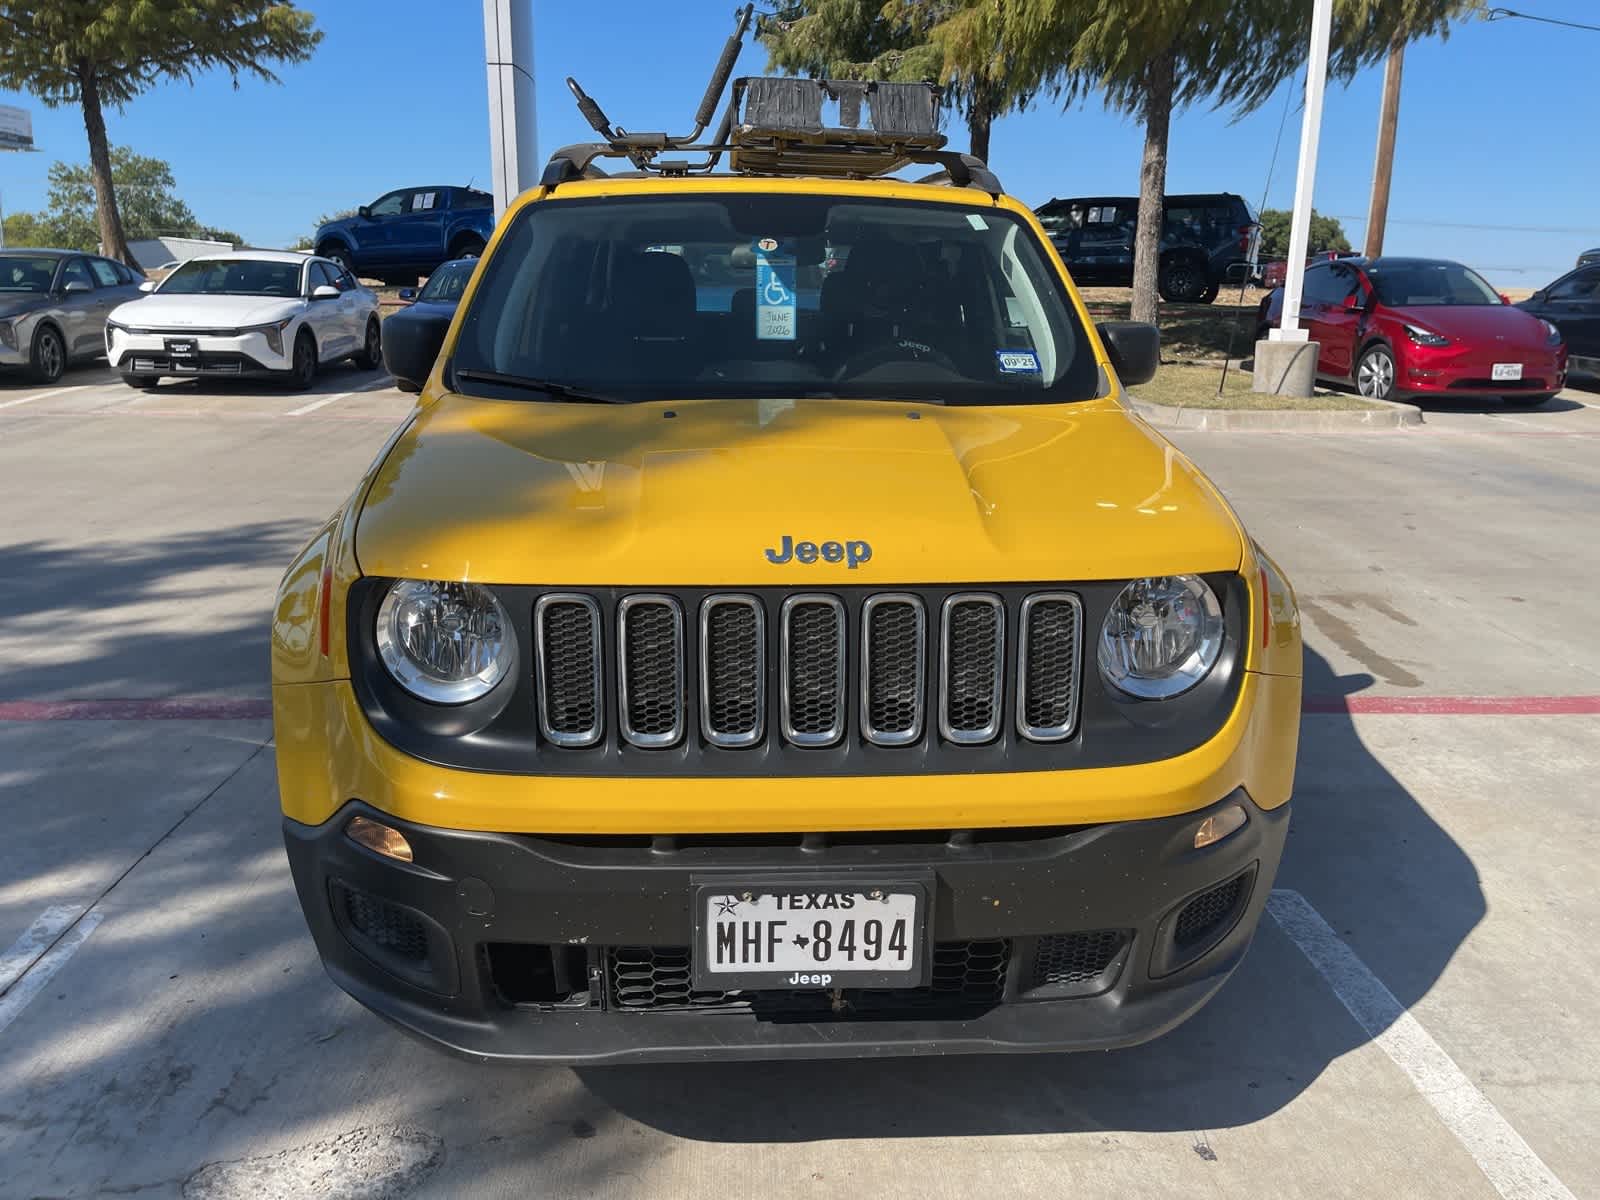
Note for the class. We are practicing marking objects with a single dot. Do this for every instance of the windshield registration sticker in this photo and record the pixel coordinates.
(1017, 362)
(775, 297)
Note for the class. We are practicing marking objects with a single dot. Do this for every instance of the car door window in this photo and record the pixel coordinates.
(1107, 226)
(424, 201)
(391, 205)
(124, 274)
(1318, 287)
(321, 276)
(104, 273)
(76, 271)
(1580, 285)
(1342, 284)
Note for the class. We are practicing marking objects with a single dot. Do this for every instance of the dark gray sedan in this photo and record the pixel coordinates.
(53, 307)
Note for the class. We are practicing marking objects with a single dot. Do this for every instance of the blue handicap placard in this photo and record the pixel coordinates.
(775, 295)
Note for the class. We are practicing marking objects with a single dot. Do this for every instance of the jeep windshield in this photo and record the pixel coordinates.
(772, 297)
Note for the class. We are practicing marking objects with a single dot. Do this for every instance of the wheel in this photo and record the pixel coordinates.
(468, 247)
(304, 371)
(1375, 373)
(1182, 281)
(339, 256)
(49, 360)
(370, 357)
(145, 383)
(1526, 401)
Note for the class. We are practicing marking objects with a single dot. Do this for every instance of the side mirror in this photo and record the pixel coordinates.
(149, 285)
(411, 343)
(364, 212)
(1504, 299)
(406, 294)
(76, 285)
(325, 291)
(1134, 348)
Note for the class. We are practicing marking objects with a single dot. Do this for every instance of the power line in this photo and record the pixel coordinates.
(1587, 231)
(1495, 14)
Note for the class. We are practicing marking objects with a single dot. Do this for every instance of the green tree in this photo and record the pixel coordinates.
(1149, 58)
(308, 241)
(95, 53)
(1326, 233)
(27, 229)
(892, 40)
(147, 201)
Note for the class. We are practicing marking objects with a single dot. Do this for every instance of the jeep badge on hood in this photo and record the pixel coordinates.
(789, 550)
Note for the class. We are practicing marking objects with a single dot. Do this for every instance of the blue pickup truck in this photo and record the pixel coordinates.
(409, 232)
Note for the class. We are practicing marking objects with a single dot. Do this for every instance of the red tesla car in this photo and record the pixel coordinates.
(1417, 327)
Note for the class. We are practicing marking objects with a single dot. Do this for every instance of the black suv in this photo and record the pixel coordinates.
(1206, 240)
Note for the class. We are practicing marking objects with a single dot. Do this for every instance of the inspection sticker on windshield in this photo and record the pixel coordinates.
(775, 298)
(1017, 362)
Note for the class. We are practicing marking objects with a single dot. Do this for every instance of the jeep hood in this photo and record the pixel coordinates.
(505, 491)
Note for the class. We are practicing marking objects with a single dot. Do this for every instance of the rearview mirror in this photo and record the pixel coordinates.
(1134, 348)
(77, 285)
(364, 212)
(325, 291)
(149, 285)
(411, 342)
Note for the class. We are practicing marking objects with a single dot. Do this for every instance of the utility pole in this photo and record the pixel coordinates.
(508, 55)
(1383, 168)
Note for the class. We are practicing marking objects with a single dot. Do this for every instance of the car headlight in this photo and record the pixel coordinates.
(273, 333)
(447, 643)
(1552, 334)
(1162, 636)
(1426, 337)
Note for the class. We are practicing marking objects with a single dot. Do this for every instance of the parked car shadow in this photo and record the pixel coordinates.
(331, 378)
(1362, 850)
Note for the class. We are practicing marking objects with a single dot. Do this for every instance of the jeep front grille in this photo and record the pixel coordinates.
(806, 671)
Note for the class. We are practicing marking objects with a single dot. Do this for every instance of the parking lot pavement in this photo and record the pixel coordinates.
(1417, 1020)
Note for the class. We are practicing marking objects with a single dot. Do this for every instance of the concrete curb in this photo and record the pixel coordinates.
(1393, 415)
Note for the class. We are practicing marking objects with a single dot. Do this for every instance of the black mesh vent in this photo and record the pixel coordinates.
(815, 670)
(968, 978)
(386, 925)
(1075, 960)
(1204, 916)
(894, 674)
(1050, 670)
(652, 656)
(972, 674)
(733, 670)
(570, 686)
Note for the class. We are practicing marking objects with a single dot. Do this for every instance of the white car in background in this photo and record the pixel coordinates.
(249, 314)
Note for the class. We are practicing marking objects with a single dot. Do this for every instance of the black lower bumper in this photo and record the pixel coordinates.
(135, 364)
(573, 950)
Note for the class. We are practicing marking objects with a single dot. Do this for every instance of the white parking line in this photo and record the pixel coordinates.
(1508, 1162)
(78, 387)
(324, 401)
(24, 970)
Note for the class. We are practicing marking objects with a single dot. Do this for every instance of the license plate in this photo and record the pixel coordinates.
(1506, 371)
(805, 935)
(182, 349)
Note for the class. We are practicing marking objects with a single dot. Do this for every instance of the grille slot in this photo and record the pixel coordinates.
(973, 668)
(1206, 914)
(733, 670)
(387, 926)
(1077, 963)
(893, 650)
(813, 670)
(567, 638)
(1049, 652)
(650, 683)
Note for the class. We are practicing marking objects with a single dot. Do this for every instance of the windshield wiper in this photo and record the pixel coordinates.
(526, 383)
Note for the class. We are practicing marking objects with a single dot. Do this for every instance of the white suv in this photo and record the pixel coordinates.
(262, 314)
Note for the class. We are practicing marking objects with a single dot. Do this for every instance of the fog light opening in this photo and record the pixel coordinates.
(379, 838)
(1214, 828)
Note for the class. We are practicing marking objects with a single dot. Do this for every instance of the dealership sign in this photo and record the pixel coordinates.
(16, 128)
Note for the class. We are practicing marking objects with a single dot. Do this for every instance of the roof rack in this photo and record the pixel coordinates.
(775, 126)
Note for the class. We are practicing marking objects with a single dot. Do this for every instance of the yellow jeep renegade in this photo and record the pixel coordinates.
(771, 633)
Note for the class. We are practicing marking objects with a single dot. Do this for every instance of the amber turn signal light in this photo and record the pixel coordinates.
(378, 838)
(1214, 828)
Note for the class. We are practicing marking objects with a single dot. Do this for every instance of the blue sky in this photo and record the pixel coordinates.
(1492, 166)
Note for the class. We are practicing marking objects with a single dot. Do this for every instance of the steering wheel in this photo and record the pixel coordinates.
(896, 350)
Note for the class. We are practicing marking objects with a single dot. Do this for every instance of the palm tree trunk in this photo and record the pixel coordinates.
(112, 241)
(1152, 185)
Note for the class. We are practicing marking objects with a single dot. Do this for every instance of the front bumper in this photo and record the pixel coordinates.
(519, 947)
(1454, 371)
(240, 355)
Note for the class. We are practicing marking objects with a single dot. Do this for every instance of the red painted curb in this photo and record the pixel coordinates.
(179, 709)
(1455, 706)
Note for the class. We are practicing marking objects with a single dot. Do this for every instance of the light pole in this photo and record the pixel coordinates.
(1286, 363)
(513, 130)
